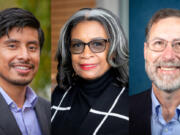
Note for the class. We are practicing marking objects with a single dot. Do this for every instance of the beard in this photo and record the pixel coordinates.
(16, 82)
(165, 82)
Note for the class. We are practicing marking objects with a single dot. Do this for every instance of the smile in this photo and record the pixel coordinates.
(23, 69)
(88, 66)
(169, 70)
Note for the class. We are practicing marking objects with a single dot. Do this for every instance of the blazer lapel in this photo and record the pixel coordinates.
(42, 118)
(148, 113)
(7, 121)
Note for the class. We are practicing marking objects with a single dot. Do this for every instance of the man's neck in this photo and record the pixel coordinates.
(168, 101)
(15, 92)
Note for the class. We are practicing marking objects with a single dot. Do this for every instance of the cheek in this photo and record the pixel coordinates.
(103, 61)
(36, 60)
(151, 56)
(74, 61)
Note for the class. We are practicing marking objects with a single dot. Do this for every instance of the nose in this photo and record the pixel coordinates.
(23, 54)
(168, 54)
(87, 52)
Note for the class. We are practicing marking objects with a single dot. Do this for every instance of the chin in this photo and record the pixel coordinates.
(20, 82)
(88, 77)
(167, 84)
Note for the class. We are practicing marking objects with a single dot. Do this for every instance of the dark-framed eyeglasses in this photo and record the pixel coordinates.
(159, 45)
(96, 46)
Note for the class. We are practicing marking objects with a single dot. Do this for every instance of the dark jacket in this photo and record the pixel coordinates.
(115, 124)
(140, 113)
(8, 125)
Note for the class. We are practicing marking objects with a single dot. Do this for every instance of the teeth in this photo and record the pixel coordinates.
(22, 68)
(168, 68)
(89, 66)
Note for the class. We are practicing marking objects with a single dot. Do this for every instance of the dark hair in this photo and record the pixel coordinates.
(161, 14)
(117, 55)
(16, 17)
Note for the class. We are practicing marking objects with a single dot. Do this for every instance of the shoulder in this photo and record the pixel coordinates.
(45, 104)
(122, 105)
(140, 113)
(43, 101)
(140, 106)
(124, 97)
(140, 97)
(58, 94)
(122, 91)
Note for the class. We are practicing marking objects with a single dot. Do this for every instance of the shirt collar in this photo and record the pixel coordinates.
(178, 111)
(31, 97)
(8, 100)
(156, 106)
(30, 101)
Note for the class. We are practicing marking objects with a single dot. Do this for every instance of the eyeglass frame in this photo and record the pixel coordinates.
(165, 44)
(89, 43)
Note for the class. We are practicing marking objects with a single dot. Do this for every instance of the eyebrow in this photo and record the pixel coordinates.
(33, 42)
(11, 41)
(158, 38)
(78, 40)
(17, 41)
(176, 39)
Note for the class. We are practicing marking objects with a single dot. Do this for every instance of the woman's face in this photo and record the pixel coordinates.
(87, 64)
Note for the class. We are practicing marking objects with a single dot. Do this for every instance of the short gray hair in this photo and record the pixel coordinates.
(118, 54)
(161, 14)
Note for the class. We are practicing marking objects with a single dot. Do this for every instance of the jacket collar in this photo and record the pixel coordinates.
(7, 121)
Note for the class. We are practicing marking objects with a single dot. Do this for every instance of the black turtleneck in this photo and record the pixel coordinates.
(87, 93)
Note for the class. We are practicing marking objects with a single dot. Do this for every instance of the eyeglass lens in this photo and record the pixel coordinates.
(160, 45)
(96, 46)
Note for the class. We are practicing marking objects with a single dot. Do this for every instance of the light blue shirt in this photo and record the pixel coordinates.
(158, 125)
(26, 116)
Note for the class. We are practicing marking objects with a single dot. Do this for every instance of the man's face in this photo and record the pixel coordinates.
(19, 56)
(163, 68)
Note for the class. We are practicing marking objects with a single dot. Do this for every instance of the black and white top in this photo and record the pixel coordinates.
(96, 107)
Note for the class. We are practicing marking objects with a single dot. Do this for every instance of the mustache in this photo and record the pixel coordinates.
(13, 64)
(167, 64)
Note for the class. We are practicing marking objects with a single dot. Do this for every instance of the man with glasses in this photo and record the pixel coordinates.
(157, 110)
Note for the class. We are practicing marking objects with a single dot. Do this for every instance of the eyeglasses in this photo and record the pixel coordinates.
(96, 46)
(159, 45)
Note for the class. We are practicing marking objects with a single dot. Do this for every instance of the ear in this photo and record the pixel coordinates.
(145, 50)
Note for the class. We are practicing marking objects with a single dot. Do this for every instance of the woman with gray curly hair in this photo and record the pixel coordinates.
(91, 96)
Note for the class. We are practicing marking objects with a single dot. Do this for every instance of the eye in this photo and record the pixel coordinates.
(32, 48)
(76, 45)
(177, 43)
(97, 43)
(12, 46)
(158, 42)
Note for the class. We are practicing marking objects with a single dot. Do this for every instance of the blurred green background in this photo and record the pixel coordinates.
(41, 9)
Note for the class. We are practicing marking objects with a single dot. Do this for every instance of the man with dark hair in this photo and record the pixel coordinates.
(157, 110)
(22, 112)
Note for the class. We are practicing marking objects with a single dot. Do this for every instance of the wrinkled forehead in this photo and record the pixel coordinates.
(167, 28)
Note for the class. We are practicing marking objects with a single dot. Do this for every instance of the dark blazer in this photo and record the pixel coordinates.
(140, 113)
(8, 125)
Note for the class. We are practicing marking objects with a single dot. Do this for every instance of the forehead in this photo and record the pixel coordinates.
(88, 29)
(21, 34)
(23, 30)
(167, 28)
